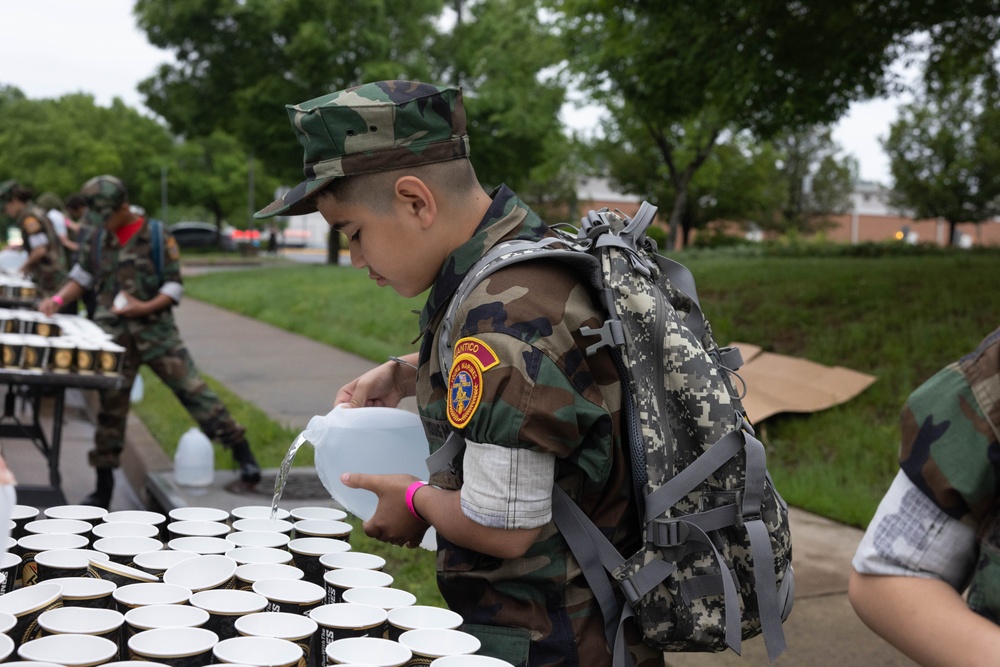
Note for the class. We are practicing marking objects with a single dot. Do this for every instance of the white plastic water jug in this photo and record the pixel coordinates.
(381, 441)
(135, 396)
(194, 460)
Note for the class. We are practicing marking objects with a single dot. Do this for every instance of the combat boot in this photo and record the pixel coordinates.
(249, 469)
(101, 497)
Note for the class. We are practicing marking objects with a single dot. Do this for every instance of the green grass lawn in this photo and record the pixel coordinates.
(897, 318)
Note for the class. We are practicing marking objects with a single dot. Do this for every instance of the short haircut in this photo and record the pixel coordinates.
(21, 193)
(454, 178)
(76, 201)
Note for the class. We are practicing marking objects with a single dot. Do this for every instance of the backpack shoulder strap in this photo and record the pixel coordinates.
(156, 231)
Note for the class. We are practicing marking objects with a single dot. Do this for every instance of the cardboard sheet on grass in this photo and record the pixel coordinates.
(779, 383)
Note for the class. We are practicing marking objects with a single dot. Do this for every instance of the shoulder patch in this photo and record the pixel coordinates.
(31, 225)
(173, 250)
(465, 381)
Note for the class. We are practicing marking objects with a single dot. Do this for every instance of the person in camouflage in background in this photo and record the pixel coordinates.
(936, 531)
(387, 164)
(46, 263)
(117, 261)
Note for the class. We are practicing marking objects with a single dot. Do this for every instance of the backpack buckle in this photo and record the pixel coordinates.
(669, 532)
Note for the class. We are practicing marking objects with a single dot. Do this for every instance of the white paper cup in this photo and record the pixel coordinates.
(336, 582)
(176, 647)
(293, 596)
(21, 515)
(198, 514)
(31, 544)
(86, 592)
(338, 530)
(158, 562)
(202, 573)
(357, 560)
(69, 650)
(367, 651)
(156, 616)
(432, 643)
(273, 525)
(140, 516)
(224, 606)
(421, 617)
(121, 575)
(258, 512)
(106, 623)
(26, 605)
(262, 651)
(7, 622)
(125, 529)
(307, 551)
(249, 573)
(6, 647)
(340, 621)
(244, 555)
(142, 595)
(197, 529)
(203, 546)
(259, 538)
(327, 513)
(10, 567)
(89, 513)
(58, 563)
(296, 628)
(387, 598)
(63, 526)
(469, 661)
(123, 550)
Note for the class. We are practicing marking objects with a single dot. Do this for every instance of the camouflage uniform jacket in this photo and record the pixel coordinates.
(111, 267)
(950, 451)
(535, 389)
(37, 230)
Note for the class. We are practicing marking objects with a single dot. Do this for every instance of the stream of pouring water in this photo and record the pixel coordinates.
(282, 477)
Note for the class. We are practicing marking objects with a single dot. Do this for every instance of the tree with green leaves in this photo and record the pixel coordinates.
(944, 150)
(238, 62)
(690, 71)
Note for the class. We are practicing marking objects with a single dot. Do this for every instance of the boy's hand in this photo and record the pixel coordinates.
(383, 386)
(392, 521)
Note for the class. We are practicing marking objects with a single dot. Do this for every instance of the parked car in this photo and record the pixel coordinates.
(202, 235)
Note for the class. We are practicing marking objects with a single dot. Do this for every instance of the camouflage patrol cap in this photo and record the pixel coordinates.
(370, 128)
(7, 189)
(104, 195)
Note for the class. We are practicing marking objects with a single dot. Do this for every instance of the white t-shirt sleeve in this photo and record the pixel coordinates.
(911, 536)
(58, 221)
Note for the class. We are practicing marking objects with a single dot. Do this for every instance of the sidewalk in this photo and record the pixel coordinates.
(293, 378)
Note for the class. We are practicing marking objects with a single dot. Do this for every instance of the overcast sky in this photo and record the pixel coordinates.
(65, 46)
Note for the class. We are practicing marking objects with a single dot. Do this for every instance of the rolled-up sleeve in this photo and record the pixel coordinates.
(507, 487)
(911, 536)
(80, 275)
(173, 289)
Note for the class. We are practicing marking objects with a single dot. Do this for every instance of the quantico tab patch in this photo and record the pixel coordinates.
(465, 381)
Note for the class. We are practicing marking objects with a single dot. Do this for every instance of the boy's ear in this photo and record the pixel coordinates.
(418, 199)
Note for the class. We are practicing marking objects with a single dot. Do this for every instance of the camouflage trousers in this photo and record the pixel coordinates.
(169, 359)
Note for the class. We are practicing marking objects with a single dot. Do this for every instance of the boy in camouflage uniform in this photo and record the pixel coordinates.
(387, 164)
(46, 263)
(936, 533)
(117, 258)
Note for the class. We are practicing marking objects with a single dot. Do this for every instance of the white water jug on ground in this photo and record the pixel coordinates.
(194, 460)
(380, 441)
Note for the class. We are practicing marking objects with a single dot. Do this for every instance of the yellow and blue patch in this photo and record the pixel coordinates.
(472, 357)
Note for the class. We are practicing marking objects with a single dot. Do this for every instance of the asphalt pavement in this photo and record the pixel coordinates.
(292, 378)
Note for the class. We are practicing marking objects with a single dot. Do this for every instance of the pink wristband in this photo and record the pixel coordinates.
(410, 490)
(58, 300)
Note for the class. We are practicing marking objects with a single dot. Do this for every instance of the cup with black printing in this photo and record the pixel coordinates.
(338, 581)
(259, 538)
(35, 353)
(296, 628)
(307, 552)
(202, 572)
(386, 597)
(367, 650)
(225, 606)
(338, 530)
(357, 560)
(293, 596)
(31, 544)
(124, 549)
(68, 650)
(26, 605)
(340, 621)
(9, 565)
(21, 515)
(175, 647)
(58, 563)
(145, 594)
(249, 573)
(158, 562)
(89, 513)
(269, 651)
(151, 617)
(431, 643)
(106, 623)
(86, 592)
(420, 617)
(244, 555)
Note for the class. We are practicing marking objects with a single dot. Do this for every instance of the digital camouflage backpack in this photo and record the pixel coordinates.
(716, 565)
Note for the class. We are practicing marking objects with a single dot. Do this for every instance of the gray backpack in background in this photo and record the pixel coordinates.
(716, 564)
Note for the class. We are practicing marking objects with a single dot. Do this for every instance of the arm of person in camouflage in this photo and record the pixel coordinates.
(171, 289)
(383, 386)
(920, 549)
